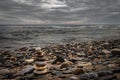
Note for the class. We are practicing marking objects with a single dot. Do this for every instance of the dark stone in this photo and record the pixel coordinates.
(78, 71)
(23, 49)
(89, 76)
(59, 59)
(73, 60)
(104, 73)
(116, 70)
(57, 73)
(9, 76)
(28, 69)
(4, 71)
(115, 52)
(109, 77)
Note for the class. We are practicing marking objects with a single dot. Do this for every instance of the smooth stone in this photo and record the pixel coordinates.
(115, 51)
(74, 78)
(28, 69)
(106, 62)
(109, 77)
(68, 72)
(38, 48)
(84, 64)
(80, 54)
(78, 71)
(111, 66)
(57, 73)
(66, 64)
(23, 49)
(105, 51)
(116, 70)
(37, 72)
(40, 64)
(59, 59)
(104, 73)
(89, 76)
(4, 71)
(62, 76)
(94, 63)
(29, 60)
(40, 67)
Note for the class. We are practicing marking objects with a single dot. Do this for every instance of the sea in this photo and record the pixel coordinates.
(14, 36)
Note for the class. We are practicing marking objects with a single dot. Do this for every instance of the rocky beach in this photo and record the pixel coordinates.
(91, 60)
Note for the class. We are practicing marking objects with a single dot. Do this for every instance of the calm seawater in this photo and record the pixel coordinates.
(21, 36)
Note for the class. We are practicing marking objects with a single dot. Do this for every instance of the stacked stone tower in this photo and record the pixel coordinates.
(40, 64)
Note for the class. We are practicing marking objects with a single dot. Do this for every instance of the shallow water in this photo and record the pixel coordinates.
(19, 36)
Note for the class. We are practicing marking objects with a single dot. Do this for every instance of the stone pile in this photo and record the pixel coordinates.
(40, 64)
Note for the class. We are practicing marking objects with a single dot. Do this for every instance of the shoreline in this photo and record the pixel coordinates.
(72, 61)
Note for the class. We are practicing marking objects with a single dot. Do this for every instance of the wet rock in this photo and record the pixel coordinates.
(104, 73)
(105, 51)
(89, 76)
(105, 45)
(66, 64)
(74, 78)
(115, 52)
(38, 48)
(59, 59)
(62, 76)
(94, 63)
(29, 60)
(40, 68)
(116, 70)
(111, 66)
(106, 62)
(81, 54)
(32, 50)
(57, 73)
(73, 60)
(109, 77)
(27, 69)
(4, 71)
(23, 49)
(68, 72)
(84, 64)
(78, 71)
(37, 72)
(9, 76)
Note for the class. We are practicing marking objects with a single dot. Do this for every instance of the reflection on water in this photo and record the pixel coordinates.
(43, 35)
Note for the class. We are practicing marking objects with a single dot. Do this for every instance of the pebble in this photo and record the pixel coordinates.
(66, 64)
(29, 60)
(109, 77)
(78, 71)
(27, 69)
(74, 78)
(85, 64)
(115, 51)
(111, 66)
(89, 76)
(4, 71)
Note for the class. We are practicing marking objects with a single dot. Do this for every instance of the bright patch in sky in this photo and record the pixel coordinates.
(53, 4)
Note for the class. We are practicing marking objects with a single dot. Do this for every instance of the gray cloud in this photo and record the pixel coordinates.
(59, 11)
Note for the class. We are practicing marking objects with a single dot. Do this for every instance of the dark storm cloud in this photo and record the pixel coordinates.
(59, 11)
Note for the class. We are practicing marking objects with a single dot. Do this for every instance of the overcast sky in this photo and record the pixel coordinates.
(59, 11)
